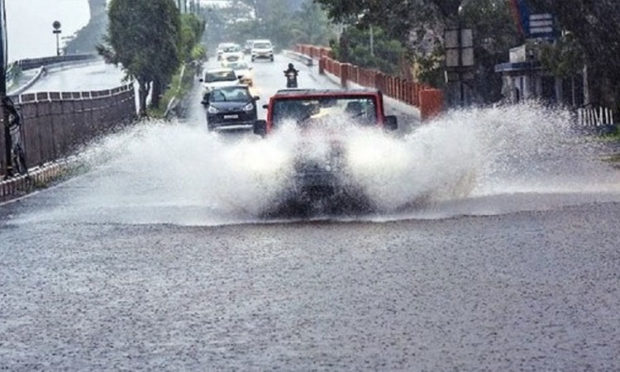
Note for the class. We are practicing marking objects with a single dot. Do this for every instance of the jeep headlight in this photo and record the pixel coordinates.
(249, 107)
(212, 110)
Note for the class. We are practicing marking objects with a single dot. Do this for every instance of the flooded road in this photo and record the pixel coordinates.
(495, 247)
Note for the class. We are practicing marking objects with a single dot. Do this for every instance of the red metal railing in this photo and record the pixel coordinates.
(406, 91)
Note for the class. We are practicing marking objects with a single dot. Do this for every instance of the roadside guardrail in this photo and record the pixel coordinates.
(307, 60)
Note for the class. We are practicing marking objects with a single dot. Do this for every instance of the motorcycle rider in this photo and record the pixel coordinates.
(291, 76)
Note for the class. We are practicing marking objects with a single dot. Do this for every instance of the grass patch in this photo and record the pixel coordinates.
(614, 158)
(611, 137)
(179, 86)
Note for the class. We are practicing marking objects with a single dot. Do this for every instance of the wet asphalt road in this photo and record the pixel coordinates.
(532, 285)
(96, 75)
(522, 291)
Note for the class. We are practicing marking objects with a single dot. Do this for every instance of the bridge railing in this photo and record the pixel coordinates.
(30, 63)
(55, 124)
(427, 99)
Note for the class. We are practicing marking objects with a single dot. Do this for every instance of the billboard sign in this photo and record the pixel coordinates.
(541, 26)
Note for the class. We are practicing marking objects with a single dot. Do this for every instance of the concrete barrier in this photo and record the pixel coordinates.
(56, 124)
(308, 61)
(37, 178)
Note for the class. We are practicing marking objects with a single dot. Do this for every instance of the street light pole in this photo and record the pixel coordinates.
(372, 41)
(57, 31)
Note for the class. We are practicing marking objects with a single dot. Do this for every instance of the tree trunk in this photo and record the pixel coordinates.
(156, 96)
(143, 92)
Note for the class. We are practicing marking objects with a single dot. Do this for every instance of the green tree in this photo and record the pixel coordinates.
(593, 26)
(310, 25)
(144, 38)
(192, 28)
(354, 47)
(419, 26)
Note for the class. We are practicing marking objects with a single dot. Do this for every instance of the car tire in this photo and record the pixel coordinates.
(271, 59)
(253, 59)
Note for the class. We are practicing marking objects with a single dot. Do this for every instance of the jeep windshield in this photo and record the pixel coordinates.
(302, 110)
(262, 45)
(215, 76)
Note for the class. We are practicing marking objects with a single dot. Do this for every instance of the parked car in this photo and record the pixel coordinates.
(227, 48)
(220, 77)
(243, 71)
(262, 49)
(230, 108)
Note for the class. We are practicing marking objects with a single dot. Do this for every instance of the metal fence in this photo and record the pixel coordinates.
(422, 96)
(55, 124)
(595, 116)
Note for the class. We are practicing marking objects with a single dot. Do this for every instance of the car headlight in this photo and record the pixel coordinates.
(249, 107)
(212, 110)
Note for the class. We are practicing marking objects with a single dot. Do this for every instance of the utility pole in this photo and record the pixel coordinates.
(8, 170)
(372, 41)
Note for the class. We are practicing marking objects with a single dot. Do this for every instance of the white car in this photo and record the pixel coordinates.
(231, 57)
(227, 48)
(242, 70)
(218, 78)
(262, 49)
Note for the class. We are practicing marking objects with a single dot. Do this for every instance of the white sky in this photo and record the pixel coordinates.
(30, 25)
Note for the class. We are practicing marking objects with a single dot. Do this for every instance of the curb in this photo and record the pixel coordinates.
(22, 185)
(29, 84)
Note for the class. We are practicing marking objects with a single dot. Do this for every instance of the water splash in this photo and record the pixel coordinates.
(166, 173)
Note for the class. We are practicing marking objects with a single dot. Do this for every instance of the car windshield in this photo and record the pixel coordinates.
(303, 110)
(262, 45)
(230, 94)
(238, 65)
(232, 58)
(214, 76)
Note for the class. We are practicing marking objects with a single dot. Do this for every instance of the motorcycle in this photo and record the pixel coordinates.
(291, 79)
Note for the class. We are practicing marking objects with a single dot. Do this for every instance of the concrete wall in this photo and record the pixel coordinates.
(55, 124)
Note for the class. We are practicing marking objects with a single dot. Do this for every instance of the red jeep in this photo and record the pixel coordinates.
(324, 176)
(364, 107)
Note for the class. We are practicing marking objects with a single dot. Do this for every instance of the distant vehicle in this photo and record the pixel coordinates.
(217, 78)
(227, 48)
(323, 177)
(262, 49)
(230, 108)
(247, 48)
(242, 70)
(229, 57)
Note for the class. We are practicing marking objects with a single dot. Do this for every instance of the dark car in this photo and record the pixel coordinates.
(230, 108)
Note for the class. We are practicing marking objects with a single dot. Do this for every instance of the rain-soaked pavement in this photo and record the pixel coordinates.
(83, 77)
(146, 262)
